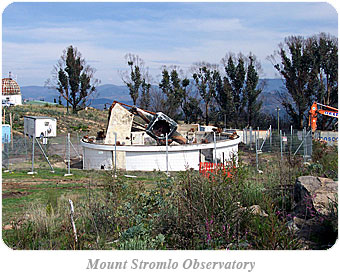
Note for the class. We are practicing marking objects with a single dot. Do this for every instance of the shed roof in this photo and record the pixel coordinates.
(39, 117)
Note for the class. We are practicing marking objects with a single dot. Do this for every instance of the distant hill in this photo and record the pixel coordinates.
(38, 93)
(270, 96)
(107, 93)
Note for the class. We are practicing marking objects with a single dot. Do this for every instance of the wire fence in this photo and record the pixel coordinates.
(60, 152)
(64, 152)
(282, 142)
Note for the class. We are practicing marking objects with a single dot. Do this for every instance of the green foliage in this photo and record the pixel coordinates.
(252, 93)
(73, 79)
(325, 160)
(206, 77)
(80, 127)
(236, 78)
(136, 78)
(238, 92)
(185, 211)
(324, 81)
(310, 69)
(296, 69)
(175, 90)
(192, 110)
(271, 233)
(145, 100)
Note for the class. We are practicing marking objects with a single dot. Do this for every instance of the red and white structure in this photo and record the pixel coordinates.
(11, 94)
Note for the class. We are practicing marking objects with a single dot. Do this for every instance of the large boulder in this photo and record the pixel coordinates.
(314, 195)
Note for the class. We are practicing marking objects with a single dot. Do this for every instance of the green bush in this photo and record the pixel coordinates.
(186, 211)
(325, 160)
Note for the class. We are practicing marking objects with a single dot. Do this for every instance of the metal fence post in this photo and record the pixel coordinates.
(166, 154)
(311, 145)
(304, 145)
(291, 139)
(250, 137)
(257, 158)
(33, 141)
(215, 153)
(281, 143)
(270, 138)
(25, 144)
(68, 156)
(32, 170)
(6, 152)
(78, 140)
(258, 137)
(115, 173)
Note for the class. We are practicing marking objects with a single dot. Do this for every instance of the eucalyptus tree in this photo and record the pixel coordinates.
(224, 98)
(133, 78)
(187, 102)
(193, 111)
(324, 55)
(206, 76)
(252, 91)
(296, 69)
(73, 79)
(175, 89)
(309, 68)
(145, 99)
(236, 74)
(238, 91)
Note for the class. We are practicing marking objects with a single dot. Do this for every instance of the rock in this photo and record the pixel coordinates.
(313, 195)
(256, 210)
(315, 232)
(59, 165)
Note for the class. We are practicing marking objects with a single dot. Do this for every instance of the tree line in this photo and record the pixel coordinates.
(225, 94)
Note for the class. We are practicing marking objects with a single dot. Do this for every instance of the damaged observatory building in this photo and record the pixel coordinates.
(140, 140)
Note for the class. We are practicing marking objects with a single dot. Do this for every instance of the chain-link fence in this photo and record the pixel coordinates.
(61, 152)
(283, 142)
(18, 154)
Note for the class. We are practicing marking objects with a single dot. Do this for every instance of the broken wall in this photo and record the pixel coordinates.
(120, 122)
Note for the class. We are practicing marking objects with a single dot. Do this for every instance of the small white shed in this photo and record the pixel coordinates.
(40, 126)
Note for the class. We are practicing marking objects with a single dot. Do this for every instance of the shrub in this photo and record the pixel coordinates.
(325, 160)
(186, 211)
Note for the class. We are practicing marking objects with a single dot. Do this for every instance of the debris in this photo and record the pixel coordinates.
(100, 135)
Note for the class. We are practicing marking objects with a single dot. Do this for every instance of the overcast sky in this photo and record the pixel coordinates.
(35, 34)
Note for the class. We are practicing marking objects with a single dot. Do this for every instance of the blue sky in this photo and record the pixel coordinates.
(35, 34)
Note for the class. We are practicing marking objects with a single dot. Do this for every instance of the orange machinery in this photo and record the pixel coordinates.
(314, 111)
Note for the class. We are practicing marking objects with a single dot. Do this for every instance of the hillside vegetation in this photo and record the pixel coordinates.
(90, 120)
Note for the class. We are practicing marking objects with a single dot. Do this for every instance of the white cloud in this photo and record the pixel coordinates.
(33, 50)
